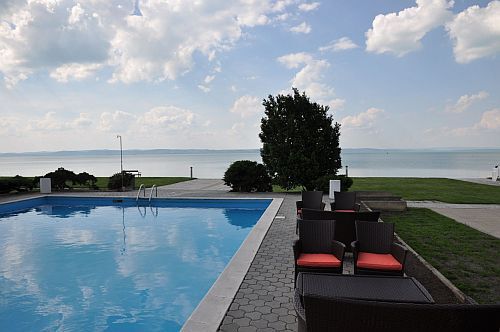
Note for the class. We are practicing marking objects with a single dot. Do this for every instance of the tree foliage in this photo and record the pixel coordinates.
(300, 141)
(247, 176)
(115, 181)
(62, 178)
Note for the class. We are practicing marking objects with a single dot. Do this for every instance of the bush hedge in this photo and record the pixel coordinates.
(16, 183)
(115, 181)
(247, 176)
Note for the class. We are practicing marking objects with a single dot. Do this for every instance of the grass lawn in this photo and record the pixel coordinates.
(435, 189)
(102, 182)
(468, 258)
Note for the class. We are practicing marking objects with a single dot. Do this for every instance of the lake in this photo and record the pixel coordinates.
(463, 163)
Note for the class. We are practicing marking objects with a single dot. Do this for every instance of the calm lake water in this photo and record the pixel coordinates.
(473, 163)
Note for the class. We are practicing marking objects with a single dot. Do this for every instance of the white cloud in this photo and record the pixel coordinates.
(309, 78)
(341, 44)
(294, 60)
(307, 7)
(301, 28)
(116, 122)
(76, 13)
(402, 32)
(75, 71)
(209, 78)
(476, 32)
(51, 122)
(465, 101)
(490, 120)
(166, 117)
(57, 36)
(203, 88)
(362, 120)
(336, 104)
(247, 106)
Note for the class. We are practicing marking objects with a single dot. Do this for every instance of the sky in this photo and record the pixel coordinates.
(179, 74)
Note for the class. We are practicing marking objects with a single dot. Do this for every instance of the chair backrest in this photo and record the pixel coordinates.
(310, 214)
(345, 200)
(345, 230)
(338, 314)
(312, 199)
(368, 216)
(375, 237)
(316, 235)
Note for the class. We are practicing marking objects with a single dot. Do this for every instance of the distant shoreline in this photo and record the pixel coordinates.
(225, 151)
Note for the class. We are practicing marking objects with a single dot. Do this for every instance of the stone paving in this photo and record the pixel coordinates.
(264, 301)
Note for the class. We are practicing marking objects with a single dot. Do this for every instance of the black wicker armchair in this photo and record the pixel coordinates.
(375, 251)
(345, 201)
(345, 231)
(316, 250)
(368, 216)
(310, 200)
(320, 314)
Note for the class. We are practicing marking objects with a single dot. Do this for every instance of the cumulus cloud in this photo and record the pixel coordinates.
(117, 121)
(310, 77)
(341, 44)
(301, 28)
(402, 32)
(52, 122)
(465, 101)
(476, 32)
(136, 42)
(362, 120)
(336, 104)
(307, 7)
(166, 117)
(247, 106)
(74, 71)
(490, 120)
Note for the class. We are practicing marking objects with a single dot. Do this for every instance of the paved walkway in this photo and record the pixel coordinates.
(483, 217)
(482, 181)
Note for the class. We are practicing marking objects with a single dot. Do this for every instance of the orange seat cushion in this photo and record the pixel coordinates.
(367, 260)
(318, 260)
(345, 211)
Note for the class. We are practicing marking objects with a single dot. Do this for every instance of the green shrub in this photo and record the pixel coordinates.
(115, 181)
(247, 176)
(17, 183)
(323, 183)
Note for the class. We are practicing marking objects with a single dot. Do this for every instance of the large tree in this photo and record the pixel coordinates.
(300, 141)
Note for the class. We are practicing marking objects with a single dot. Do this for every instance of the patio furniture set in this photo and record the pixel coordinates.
(378, 297)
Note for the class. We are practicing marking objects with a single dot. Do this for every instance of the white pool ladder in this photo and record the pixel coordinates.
(153, 188)
(143, 188)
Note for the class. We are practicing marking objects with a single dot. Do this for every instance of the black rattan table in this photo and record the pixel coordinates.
(370, 288)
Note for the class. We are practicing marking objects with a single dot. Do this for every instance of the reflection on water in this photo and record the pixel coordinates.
(112, 268)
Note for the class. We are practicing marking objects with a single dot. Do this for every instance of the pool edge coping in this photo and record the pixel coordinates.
(211, 310)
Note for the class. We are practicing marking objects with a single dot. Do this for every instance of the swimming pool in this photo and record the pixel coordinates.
(109, 264)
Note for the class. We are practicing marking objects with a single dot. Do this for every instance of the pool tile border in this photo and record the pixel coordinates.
(210, 312)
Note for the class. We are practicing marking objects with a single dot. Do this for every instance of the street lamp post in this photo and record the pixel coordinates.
(121, 159)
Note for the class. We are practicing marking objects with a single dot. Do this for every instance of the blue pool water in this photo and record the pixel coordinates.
(73, 264)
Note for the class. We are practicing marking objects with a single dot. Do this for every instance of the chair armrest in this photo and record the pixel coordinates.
(338, 249)
(355, 249)
(357, 206)
(399, 252)
(297, 249)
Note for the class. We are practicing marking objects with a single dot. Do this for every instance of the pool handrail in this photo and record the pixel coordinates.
(143, 188)
(151, 193)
